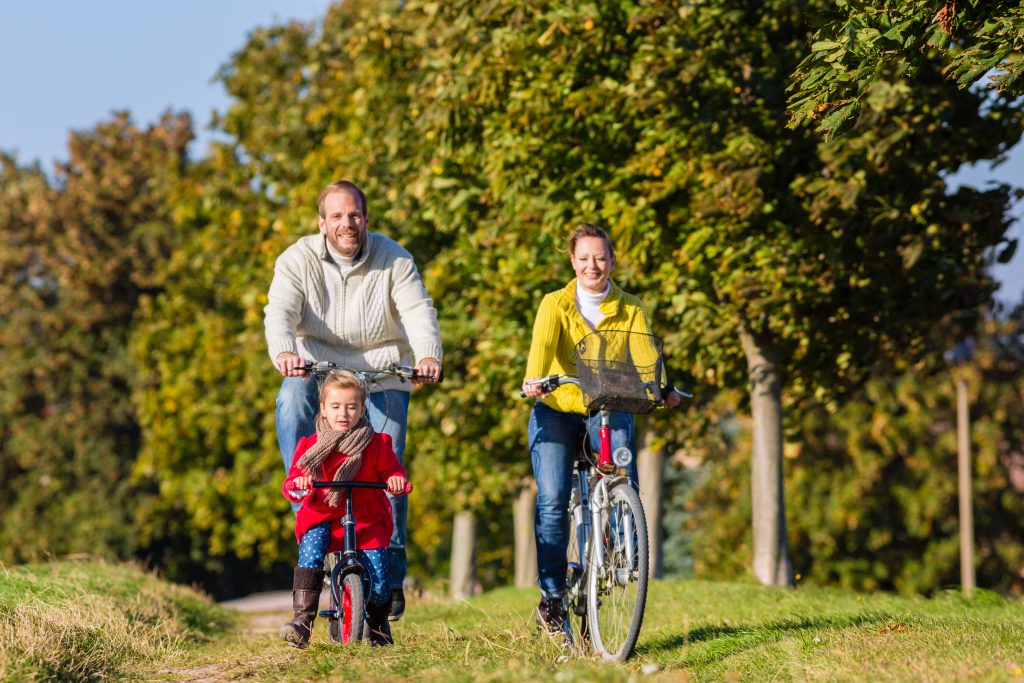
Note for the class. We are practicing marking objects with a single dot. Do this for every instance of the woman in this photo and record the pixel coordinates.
(591, 302)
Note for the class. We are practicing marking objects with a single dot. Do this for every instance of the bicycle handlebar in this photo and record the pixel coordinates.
(552, 382)
(402, 372)
(357, 485)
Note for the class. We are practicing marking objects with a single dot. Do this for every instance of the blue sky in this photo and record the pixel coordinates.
(67, 65)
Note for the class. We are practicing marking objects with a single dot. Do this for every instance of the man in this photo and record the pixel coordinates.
(355, 298)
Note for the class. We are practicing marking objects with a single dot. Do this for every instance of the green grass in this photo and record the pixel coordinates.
(693, 630)
(83, 621)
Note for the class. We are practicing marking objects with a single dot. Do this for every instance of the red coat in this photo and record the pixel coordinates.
(371, 507)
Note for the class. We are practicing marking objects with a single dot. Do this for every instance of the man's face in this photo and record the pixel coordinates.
(343, 222)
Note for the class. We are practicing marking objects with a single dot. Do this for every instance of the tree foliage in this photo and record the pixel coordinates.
(78, 255)
(481, 132)
(873, 486)
(862, 42)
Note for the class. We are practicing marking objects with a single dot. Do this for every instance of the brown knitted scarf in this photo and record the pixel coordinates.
(352, 443)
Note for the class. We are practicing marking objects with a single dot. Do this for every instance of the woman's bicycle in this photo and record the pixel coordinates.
(608, 557)
(346, 615)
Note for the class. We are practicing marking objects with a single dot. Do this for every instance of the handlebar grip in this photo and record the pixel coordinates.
(408, 487)
(418, 376)
(522, 394)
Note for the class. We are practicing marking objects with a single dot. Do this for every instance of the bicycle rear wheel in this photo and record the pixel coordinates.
(348, 627)
(575, 583)
(617, 586)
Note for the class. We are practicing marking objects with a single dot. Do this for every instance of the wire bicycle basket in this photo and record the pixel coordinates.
(620, 371)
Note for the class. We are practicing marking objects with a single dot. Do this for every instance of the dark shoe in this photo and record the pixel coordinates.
(306, 586)
(379, 629)
(397, 604)
(551, 614)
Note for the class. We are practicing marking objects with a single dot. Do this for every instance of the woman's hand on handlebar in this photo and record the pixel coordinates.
(290, 364)
(533, 390)
(396, 485)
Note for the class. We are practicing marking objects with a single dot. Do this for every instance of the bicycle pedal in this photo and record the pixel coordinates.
(329, 613)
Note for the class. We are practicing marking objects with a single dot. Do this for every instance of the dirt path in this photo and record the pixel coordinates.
(271, 601)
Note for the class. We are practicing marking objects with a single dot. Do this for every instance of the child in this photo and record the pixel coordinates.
(345, 447)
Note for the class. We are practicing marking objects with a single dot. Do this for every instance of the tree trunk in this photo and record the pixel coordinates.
(963, 459)
(463, 576)
(526, 545)
(650, 464)
(771, 552)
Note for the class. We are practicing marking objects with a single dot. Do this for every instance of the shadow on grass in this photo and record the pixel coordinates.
(709, 644)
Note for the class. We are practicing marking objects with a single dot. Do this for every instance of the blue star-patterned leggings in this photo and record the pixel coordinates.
(313, 549)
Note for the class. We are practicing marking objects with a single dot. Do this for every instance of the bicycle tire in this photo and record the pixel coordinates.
(575, 583)
(617, 590)
(348, 627)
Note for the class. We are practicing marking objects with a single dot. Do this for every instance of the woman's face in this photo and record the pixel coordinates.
(342, 408)
(593, 263)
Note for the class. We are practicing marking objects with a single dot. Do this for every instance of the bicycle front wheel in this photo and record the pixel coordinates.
(617, 586)
(348, 627)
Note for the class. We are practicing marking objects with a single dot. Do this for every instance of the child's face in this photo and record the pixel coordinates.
(343, 408)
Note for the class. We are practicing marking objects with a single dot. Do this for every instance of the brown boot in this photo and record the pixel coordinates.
(306, 586)
(380, 629)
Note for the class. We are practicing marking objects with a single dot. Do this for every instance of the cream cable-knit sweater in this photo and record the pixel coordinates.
(376, 314)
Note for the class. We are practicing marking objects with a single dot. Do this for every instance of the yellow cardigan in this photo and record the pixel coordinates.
(559, 326)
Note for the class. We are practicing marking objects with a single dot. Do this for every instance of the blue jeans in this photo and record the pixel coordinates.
(554, 438)
(298, 403)
(314, 547)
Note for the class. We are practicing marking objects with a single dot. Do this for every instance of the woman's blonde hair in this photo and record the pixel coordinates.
(342, 379)
(589, 230)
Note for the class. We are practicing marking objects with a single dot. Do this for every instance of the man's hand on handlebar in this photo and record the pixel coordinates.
(428, 371)
(290, 364)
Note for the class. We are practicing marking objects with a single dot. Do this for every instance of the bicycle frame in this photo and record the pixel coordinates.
(347, 560)
(591, 510)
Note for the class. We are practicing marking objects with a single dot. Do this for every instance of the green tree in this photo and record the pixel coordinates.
(862, 42)
(876, 480)
(78, 257)
(777, 263)
(780, 260)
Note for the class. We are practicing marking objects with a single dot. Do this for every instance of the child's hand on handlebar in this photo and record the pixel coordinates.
(396, 485)
(303, 483)
(672, 400)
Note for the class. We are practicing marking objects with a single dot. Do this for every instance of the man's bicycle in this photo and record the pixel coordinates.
(608, 557)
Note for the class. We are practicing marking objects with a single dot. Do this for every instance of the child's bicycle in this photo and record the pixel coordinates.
(608, 560)
(344, 569)
(347, 612)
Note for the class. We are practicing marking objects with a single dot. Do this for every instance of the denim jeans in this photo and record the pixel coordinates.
(298, 403)
(314, 547)
(554, 437)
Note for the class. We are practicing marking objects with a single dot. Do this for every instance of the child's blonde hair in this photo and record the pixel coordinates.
(342, 379)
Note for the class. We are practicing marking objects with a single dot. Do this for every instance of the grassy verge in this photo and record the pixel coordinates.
(89, 621)
(693, 631)
(77, 621)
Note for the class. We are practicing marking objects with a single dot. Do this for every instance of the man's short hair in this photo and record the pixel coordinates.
(341, 186)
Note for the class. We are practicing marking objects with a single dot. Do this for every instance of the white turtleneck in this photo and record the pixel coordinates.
(589, 305)
(344, 263)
